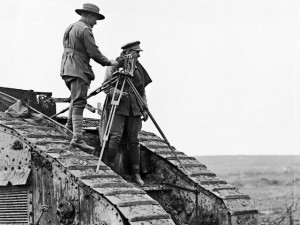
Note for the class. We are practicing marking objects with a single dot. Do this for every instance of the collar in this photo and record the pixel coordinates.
(85, 23)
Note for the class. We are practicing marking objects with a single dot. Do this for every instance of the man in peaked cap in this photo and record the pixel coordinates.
(79, 47)
(132, 46)
(128, 113)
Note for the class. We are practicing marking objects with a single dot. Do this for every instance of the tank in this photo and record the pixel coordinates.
(45, 181)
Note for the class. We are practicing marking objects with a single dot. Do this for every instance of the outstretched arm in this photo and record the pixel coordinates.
(93, 50)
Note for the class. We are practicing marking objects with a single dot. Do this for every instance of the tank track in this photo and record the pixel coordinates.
(130, 203)
(239, 205)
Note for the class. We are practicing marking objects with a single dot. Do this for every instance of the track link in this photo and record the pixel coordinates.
(204, 180)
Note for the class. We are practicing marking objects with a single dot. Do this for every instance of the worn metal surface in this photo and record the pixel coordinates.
(14, 157)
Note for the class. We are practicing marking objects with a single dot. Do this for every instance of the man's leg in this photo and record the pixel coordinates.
(116, 133)
(78, 96)
(68, 81)
(69, 123)
(133, 127)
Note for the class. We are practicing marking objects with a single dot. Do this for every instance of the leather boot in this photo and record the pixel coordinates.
(136, 178)
(136, 175)
(70, 127)
(69, 123)
(78, 142)
(111, 157)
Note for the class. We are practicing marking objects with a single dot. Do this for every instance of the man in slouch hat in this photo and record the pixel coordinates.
(79, 47)
(128, 114)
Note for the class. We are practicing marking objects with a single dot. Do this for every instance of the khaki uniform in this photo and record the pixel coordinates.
(79, 47)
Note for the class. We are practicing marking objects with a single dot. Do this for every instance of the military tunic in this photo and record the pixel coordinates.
(79, 47)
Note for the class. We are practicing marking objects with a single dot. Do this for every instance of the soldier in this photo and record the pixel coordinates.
(79, 47)
(128, 113)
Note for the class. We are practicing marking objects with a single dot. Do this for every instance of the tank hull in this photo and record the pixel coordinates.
(50, 182)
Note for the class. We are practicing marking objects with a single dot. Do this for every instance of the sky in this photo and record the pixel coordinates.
(225, 72)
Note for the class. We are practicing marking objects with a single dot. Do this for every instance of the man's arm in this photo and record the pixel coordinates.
(93, 50)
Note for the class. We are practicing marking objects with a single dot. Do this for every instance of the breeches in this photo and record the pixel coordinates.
(79, 89)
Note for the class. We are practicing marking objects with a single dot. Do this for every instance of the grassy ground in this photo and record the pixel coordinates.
(272, 182)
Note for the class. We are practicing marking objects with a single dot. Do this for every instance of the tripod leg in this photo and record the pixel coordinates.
(106, 134)
(144, 107)
(104, 86)
(114, 103)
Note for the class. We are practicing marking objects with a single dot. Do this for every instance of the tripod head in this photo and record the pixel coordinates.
(129, 65)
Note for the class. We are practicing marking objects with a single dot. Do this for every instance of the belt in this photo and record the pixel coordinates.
(76, 53)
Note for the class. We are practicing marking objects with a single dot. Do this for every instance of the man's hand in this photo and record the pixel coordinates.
(145, 115)
(118, 92)
(114, 62)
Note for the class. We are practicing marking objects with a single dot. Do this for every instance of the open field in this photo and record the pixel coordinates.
(272, 182)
